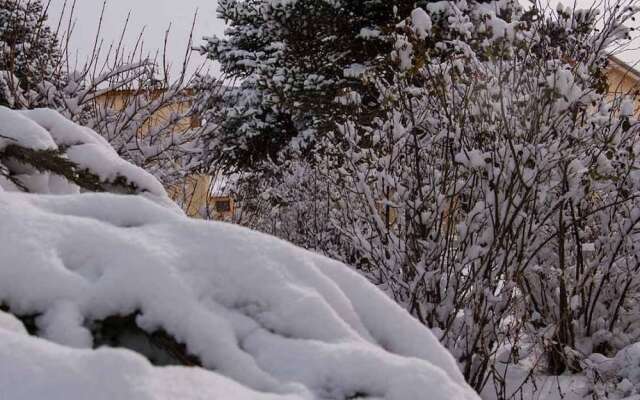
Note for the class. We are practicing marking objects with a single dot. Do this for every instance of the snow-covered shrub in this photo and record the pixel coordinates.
(493, 192)
(258, 317)
(43, 152)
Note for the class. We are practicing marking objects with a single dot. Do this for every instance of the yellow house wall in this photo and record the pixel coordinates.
(623, 81)
(194, 193)
(120, 100)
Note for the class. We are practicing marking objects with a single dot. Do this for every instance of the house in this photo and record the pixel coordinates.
(127, 98)
(197, 198)
(195, 193)
(623, 79)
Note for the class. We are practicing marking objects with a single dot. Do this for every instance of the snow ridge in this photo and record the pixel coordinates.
(261, 317)
(271, 316)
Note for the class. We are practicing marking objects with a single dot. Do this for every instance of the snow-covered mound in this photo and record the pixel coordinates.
(200, 310)
(32, 369)
(270, 316)
(43, 152)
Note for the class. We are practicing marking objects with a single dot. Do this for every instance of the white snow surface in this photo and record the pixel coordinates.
(265, 319)
(266, 316)
(44, 129)
(31, 368)
(421, 23)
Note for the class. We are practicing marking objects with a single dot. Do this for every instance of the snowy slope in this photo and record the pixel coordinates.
(270, 316)
(257, 318)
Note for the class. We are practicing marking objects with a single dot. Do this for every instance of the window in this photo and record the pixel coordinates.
(196, 121)
(222, 206)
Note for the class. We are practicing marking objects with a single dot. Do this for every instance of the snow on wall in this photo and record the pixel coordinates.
(266, 320)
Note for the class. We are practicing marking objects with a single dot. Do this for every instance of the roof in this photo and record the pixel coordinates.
(620, 65)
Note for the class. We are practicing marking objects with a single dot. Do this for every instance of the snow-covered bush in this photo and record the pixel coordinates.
(252, 317)
(511, 174)
(493, 192)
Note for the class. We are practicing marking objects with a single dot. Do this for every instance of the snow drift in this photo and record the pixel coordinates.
(253, 316)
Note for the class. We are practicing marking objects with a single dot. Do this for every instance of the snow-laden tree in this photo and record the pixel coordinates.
(494, 191)
(31, 55)
(226, 312)
(43, 152)
(298, 66)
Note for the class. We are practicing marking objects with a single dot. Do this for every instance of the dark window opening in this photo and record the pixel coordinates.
(222, 206)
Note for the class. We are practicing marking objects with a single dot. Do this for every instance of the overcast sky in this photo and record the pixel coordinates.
(152, 15)
(156, 15)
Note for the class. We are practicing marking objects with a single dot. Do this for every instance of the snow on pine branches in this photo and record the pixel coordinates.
(150, 118)
(29, 66)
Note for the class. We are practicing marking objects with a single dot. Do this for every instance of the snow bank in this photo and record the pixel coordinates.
(239, 314)
(264, 315)
(31, 368)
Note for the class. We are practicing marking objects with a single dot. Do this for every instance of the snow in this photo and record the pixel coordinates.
(369, 33)
(270, 316)
(421, 23)
(627, 106)
(44, 129)
(61, 130)
(264, 319)
(403, 53)
(471, 158)
(10, 323)
(90, 151)
(618, 379)
(31, 368)
(23, 132)
(354, 71)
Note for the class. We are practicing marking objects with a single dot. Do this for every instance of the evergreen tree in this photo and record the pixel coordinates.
(31, 54)
(302, 66)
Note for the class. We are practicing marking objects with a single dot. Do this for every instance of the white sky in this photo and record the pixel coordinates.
(156, 15)
(152, 15)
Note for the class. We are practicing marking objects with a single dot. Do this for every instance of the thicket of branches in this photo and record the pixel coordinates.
(126, 93)
(476, 167)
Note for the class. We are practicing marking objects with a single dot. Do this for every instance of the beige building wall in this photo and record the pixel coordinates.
(121, 99)
(194, 194)
(623, 79)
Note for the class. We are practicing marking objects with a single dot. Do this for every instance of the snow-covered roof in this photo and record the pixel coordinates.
(625, 68)
(261, 318)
